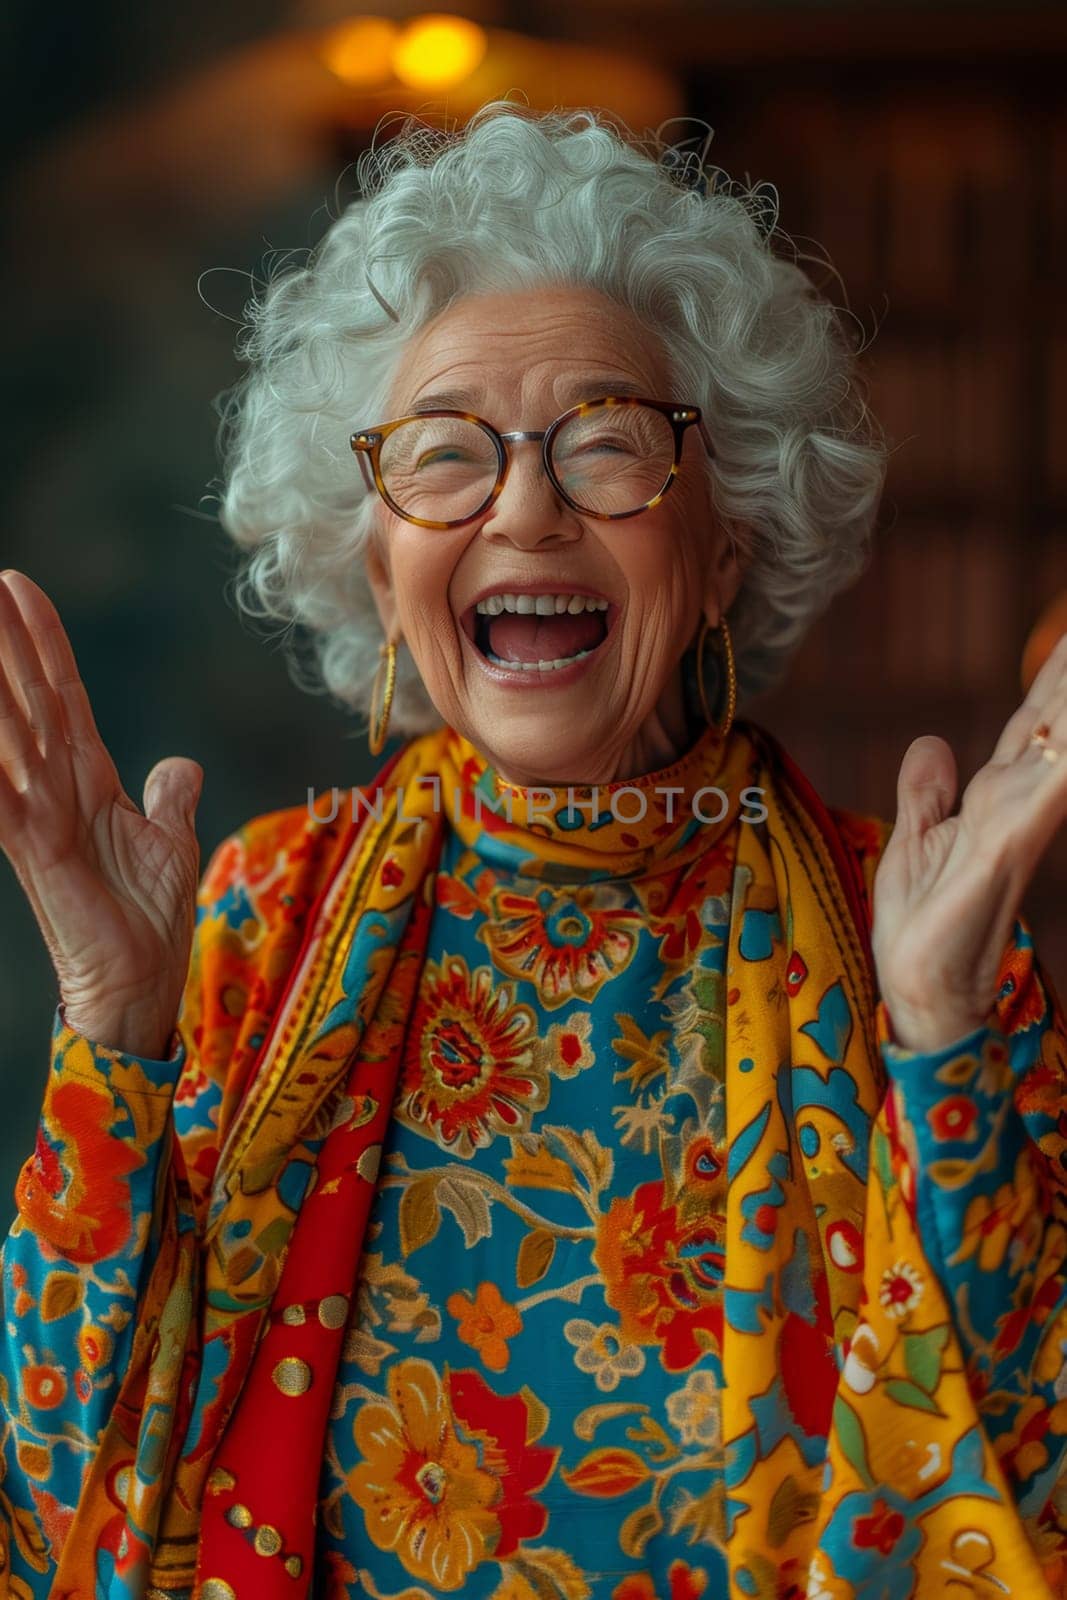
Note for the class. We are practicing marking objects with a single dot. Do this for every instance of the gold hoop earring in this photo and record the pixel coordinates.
(731, 674)
(378, 722)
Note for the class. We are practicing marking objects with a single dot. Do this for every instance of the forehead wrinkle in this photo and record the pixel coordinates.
(449, 347)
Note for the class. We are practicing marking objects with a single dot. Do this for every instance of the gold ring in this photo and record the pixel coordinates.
(1040, 738)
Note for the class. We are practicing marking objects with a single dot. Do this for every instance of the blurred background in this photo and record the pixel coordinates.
(158, 155)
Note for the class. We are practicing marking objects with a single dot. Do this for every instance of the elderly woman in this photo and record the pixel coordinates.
(528, 1175)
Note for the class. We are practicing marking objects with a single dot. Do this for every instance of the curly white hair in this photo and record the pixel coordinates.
(512, 199)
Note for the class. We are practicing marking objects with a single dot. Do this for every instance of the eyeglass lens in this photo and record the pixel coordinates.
(608, 460)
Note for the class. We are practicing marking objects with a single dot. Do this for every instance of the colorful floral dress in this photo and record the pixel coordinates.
(530, 1397)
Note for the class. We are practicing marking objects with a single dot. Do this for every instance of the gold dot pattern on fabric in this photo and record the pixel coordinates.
(294, 1316)
(294, 1566)
(220, 1479)
(333, 1311)
(217, 1589)
(292, 1376)
(239, 1517)
(268, 1541)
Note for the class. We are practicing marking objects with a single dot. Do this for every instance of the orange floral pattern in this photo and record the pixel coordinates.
(447, 1475)
(472, 1069)
(486, 1323)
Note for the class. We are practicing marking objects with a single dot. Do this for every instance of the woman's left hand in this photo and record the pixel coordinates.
(948, 888)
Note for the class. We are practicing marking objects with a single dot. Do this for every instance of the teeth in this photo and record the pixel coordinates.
(536, 666)
(542, 605)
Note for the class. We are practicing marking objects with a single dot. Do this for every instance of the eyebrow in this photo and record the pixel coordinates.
(579, 389)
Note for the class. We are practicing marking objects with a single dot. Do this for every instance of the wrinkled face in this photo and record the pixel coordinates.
(635, 589)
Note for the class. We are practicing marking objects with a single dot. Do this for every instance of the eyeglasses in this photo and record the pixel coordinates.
(610, 458)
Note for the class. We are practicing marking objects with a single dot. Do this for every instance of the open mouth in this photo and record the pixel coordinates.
(538, 632)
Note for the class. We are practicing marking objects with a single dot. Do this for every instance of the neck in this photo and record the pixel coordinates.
(673, 728)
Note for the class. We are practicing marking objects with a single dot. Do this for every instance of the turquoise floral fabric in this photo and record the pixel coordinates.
(530, 1398)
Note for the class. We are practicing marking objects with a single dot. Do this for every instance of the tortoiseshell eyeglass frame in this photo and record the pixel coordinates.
(367, 444)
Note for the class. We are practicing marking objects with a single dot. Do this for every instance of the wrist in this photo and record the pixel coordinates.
(927, 1031)
(129, 1031)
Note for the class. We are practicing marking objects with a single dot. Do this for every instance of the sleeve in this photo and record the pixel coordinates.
(79, 1253)
(122, 1142)
(985, 1131)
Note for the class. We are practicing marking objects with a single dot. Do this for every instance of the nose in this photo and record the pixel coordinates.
(528, 511)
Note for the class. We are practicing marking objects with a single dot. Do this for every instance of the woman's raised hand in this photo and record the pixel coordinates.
(113, 890)
(948, 888)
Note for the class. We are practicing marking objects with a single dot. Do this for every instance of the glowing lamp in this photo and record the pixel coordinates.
(437, 51)
(360, 51)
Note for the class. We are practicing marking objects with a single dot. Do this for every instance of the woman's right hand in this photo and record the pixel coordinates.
(113, 890)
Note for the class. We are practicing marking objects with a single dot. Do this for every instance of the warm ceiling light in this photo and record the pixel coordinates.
(437, 51)
(360, 51)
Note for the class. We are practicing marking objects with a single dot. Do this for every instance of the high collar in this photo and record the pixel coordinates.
(623, 829)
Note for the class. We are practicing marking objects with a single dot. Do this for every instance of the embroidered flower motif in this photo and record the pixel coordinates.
(569, 1046)
(953, 1117)
(878, 1531)
(695, 1412)
(44, 1387)
(63, 1164)
(473, 1067)
(901, 1289)
(600, 1350)
(662, 1275)
(687, 1583)
(486, 1323)
(94, 1347)
(447, 1473)
(567, 942)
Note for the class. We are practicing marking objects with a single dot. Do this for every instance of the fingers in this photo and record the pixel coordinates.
(30, 716)
(172, 793)
(1045, 703)
(40, 647)
(1020, 796)
(926, 785)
